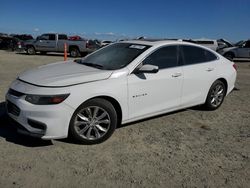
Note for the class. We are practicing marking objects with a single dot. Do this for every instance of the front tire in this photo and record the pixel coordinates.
(31, 50)
(93, 122)
(215, 95)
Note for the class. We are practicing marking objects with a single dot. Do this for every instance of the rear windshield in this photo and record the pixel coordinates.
(115, 56)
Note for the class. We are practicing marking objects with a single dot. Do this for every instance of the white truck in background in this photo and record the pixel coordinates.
(54, 42)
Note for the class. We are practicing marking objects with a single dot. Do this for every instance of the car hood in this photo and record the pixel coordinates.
(224, 50)
(229, 49)
(31, 41)
(63, 74)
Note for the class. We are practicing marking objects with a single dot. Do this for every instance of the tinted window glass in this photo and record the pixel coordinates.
(115, 56)
(165, 57)
(194, 55)
(52, 37)
(44, 37)
(247, 45)
(62, 37)
(210, 56)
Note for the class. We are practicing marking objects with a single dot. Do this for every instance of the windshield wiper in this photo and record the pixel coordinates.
(93, 65)
(88, 64)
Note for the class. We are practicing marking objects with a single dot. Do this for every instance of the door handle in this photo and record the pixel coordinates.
(209, 69)
(177, 74)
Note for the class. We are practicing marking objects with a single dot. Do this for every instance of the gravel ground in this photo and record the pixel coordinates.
(189, 148)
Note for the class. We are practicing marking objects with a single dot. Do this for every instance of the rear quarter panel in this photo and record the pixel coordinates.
(227, 71)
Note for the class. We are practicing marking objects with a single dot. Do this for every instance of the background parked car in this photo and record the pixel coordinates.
(241, 50)
(9, 42)
(23, 37)
(209, 43)
(20, 39)
(105, 43)
(223, 43)
(94, 44)
(75, 37)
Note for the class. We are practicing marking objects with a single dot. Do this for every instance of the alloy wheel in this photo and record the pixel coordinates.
(92, 123)
(217, 95)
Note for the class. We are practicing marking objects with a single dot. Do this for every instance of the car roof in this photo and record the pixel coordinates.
(158, 42)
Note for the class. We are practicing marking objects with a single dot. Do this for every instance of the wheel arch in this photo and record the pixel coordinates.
(74, 47)
(30, 45)
(113, 101)
(224, 81)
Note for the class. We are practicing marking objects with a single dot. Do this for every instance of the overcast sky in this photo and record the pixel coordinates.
(115, 19)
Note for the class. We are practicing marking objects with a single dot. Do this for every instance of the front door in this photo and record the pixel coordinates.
(152, 93)
(47, 42)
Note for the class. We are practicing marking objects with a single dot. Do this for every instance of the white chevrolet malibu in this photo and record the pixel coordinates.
(121, 83)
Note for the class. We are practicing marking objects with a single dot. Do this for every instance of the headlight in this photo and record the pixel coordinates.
(46, 99)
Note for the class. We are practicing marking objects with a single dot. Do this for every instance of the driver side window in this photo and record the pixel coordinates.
(247, 44)
(44, 37)
(165, 57)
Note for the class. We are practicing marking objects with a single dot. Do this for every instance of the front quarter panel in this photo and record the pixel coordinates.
(115, 88)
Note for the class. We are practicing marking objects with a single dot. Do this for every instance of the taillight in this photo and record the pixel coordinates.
(235, 66)
(87, 44)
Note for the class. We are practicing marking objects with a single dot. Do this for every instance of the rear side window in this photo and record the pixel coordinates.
(165, 57)
(195, 55)
(52, 37)
(62, 37)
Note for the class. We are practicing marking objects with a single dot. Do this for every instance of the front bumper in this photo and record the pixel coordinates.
(45, 121)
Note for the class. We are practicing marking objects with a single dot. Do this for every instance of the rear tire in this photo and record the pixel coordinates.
(93, 122)
(215, 95)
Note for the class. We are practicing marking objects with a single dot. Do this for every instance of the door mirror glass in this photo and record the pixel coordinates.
(147, 69)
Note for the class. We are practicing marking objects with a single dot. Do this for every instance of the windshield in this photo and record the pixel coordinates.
(115, 56)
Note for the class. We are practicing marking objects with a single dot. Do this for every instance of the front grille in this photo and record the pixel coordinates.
(15, 93)
(13, 109)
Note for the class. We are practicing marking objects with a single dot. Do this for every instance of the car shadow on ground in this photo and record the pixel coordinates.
(8, 131)
(47, 54)
(241, 60)
(51, 54)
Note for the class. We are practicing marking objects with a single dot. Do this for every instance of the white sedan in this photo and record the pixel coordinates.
(121, 83)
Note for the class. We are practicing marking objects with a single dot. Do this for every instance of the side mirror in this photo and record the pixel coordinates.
(147, 69)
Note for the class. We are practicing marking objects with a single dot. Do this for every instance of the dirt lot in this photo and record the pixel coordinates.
(189, 148)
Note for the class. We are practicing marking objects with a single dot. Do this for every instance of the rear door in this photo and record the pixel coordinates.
(62, 39)
(199, 72)
(151, 93)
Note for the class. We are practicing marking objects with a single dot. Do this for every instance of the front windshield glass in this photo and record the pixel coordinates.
(114, 56)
